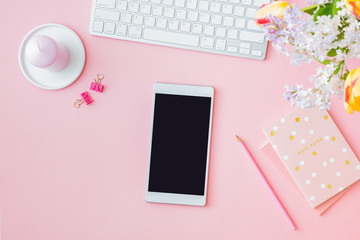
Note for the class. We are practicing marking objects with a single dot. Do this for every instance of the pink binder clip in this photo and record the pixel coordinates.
(86, 99)
(96, 85)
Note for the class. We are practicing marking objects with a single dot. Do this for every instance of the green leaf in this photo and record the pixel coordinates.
(324, 10)
(332, 53)
(310, 9)
(346, 75)
(335, 9)
(328, 9)
(325, 62)
(337, 69)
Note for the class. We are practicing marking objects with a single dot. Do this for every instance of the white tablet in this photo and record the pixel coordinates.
(180, 144)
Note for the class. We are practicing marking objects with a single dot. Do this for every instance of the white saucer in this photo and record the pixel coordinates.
(54, 80)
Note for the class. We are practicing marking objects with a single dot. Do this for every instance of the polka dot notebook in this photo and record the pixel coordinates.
(315, 153)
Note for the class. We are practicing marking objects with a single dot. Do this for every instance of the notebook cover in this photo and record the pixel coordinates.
(315, 153)
(274, 158)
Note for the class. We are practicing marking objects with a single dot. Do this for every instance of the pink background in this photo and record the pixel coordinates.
(81, 174)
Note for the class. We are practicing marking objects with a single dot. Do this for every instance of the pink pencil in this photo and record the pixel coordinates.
(267, 184)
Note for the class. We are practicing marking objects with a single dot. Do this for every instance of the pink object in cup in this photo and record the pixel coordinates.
(42, 51)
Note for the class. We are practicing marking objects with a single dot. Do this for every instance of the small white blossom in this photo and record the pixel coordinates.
(330, 40)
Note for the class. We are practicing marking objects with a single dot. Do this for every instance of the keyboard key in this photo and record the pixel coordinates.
(246, 2)
(245, 45)
(215, 7)
(169, 12)
(251, 36)
(244, 51)
(105, 3)
(232, 33)
(252, 26)
(239, 11)
(256, 53)
(250, 12)
(209, 30)
(122, 5)
(135, 32)
(168, 2)
(157, 10)
(109, 28)
(161, 23)
(193, 16)
(204, 17)
(207, 42)
(150, 21)
(229, 21)
(197, 28)
(220, 32)
(204, 6)
(185, 26)
(134, 7)
(216, 19)
(126, 18)
(138, 19)
(171, 37)
(156, 1)
(145, 8)
(192, 4)
(240, 23)
(107, 15)
(220, 44)
(121, 30)
(181, 14)
(98, 26)
(259, 3)
(173, 25)
(235, 1)
(232, 49)
(179, 3)
(227, 9)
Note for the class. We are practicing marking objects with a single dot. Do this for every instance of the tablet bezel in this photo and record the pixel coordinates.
(185, 90)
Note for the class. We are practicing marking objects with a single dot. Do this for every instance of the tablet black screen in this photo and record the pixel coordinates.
(179, 144)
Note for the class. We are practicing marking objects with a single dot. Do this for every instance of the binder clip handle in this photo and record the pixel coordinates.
(78, 103)
(85, 98)
(98, 78)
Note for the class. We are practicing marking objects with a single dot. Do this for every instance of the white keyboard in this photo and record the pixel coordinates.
(224, 27)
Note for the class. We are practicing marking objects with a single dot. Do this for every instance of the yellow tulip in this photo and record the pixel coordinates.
(276, 9)
(352, 91)
(353, 6)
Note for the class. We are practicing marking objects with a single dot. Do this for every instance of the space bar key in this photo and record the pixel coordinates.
(171, 37)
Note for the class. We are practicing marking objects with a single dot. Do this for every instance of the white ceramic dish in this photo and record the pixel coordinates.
(48, 79)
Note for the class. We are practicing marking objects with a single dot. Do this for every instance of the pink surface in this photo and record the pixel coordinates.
(69, 173)
(267, 184)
